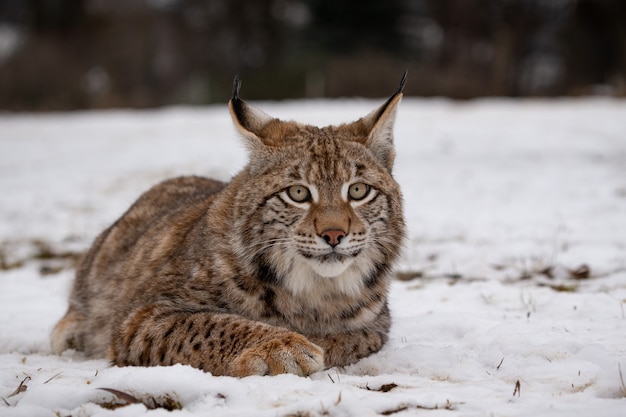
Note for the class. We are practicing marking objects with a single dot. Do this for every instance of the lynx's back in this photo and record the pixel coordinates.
(284, 269)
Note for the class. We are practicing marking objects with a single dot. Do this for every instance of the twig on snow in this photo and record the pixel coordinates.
(52, 377)
(403, 407)
(395, 410)
(21, 388)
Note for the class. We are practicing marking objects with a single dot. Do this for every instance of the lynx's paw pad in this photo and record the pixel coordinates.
(291, 353)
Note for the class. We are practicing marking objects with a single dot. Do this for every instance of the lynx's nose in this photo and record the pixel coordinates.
(333, 236)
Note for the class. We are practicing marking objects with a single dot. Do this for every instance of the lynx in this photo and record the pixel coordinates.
(285, 269)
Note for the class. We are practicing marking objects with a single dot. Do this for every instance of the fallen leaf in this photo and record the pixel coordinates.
(582, 272)
(21, 388)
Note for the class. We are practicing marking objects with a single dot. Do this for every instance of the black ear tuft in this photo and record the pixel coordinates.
(248, 119)
(379, 125)
(402, 82)
(238, 105)
(236, 88)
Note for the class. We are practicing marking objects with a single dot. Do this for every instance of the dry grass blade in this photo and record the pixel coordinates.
(52, 377)
(21, 388)
(409, 275)
(518, 389)
(403, 407)
(122, 395)
(621, 378)
(395, 410)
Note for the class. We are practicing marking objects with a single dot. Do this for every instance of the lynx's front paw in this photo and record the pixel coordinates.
(286, 353)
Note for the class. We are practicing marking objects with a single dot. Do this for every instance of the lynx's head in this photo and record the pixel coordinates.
(318, 208)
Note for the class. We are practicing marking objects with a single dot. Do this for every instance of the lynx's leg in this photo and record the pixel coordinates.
(345, 348)
(66, 333)
(222, 344)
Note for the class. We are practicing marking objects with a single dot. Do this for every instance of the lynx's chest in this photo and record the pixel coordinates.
(309, 315)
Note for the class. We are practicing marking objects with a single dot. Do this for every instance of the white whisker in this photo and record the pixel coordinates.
(259, 247)
(273, 241)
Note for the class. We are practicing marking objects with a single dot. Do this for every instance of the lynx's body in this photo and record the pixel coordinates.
(283, 269)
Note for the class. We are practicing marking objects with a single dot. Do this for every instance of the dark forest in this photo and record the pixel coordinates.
(86, 54)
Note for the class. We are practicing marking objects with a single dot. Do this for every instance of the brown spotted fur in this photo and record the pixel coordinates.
(218, 275)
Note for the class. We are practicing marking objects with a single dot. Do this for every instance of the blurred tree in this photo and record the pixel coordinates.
(595, 41)
(73, 54)
(351, 25)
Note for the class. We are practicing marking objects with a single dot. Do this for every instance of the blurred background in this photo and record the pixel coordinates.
(87, 54)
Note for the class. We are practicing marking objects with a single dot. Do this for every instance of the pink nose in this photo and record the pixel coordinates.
(333, 236)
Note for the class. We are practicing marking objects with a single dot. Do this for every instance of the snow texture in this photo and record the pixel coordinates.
(513, 291)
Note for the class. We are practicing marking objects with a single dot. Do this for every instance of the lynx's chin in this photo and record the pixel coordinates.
(331, 266)
(315, 279)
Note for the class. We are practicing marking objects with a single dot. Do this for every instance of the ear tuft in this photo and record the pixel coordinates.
(248, 119)
(236, 88)
(402, 82)
(256, 128)
(380, 123)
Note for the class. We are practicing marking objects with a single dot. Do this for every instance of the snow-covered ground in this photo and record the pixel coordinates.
(513, 291)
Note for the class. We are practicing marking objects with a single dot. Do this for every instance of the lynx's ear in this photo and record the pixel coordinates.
(378, 126)
(249, 120)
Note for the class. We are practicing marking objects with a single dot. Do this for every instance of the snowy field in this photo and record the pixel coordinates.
(511, 292)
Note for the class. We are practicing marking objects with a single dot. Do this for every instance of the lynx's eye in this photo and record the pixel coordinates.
(299, 193)
(358, 191)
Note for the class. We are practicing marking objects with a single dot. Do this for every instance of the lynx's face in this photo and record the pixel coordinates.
(334, 215)
(320, 206)
(326, 210)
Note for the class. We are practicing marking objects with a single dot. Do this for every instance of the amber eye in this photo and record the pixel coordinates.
(299, 193)
(358, 191)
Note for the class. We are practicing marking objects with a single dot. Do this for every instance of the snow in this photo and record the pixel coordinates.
(513, 302)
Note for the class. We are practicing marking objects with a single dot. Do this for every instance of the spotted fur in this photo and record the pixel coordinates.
(283, 269)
